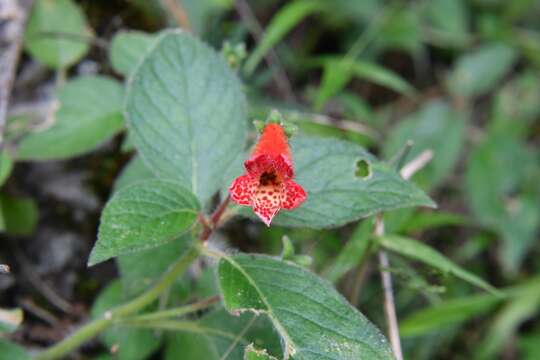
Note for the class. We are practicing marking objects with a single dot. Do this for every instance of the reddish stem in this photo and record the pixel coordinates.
(208, 227)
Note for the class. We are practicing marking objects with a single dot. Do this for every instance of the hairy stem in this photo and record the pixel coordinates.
(174, 312)
(93, 328)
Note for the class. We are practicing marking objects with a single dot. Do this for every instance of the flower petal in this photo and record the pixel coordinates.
(293, 195)
(258, 164)
(243, 189)
(267, 201)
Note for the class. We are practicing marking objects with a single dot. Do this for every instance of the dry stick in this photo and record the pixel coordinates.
(178, 13)
(271, 58)
(389, 304)
(16, 13)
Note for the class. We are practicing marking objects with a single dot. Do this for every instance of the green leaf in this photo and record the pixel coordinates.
(142, 216)
(507, 323)
(141, 269)
(353, 252)
(90, 113)
(282, 22)
(312, 318)
(219, 332)
(6, 165)
(12, 351)
(201, 14)
(10, 319)
(56, 33)
(416, 250)
(401, 30)
(447, 313)
(251, 353)
(509, 202)
(186, 113)
(20, 215)
(517, 105)
(339, 71)
(429, 220)
(450, 20)
(435, 126)
(128, 48)
(326, 169)
(133, 172)
(478, 72)
(133, 344)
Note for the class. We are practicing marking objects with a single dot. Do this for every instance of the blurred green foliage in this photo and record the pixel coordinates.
(460, 78)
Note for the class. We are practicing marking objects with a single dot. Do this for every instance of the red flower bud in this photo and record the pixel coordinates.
(267, 185)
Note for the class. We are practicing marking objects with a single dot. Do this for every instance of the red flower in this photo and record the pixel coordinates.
(267, 185)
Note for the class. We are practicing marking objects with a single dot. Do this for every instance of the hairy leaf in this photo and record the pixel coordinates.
(327, 170)
(186, 113)
(312, 318)
(142, 216)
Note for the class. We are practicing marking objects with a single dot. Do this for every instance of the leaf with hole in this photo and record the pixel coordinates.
(186, 113)
(57, 34)
(327, 169)
(90, 113)
(312, 318)
(142, 216)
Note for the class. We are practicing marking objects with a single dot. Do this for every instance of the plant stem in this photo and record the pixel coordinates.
(110, 317)
(174, 312)
(389, 305)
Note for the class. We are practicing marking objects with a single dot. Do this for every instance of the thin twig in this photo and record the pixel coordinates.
(389, 304)
(14, 13)
(39, 312)
(418, 163)
(178, 13)
(33, 277)
(271, 58)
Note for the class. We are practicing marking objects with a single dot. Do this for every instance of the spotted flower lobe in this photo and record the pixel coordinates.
(267, 185)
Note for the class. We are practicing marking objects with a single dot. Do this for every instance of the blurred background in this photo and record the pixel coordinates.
(460, 78)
